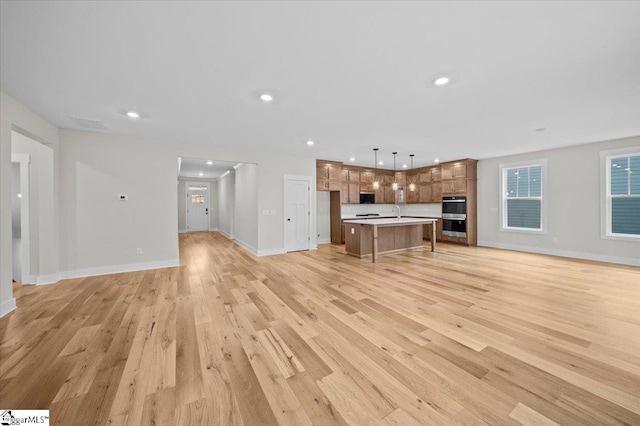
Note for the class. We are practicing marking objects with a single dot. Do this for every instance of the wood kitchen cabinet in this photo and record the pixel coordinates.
(328, 175)
(367, 177)
(424, 193)
(349, 193)
(455, 176)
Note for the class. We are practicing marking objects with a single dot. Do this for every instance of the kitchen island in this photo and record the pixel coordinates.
(373, 237)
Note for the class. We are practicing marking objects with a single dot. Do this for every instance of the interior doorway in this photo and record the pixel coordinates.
(297, 208)
(20, 218)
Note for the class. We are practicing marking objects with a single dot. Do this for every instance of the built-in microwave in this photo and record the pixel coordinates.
(367, 198)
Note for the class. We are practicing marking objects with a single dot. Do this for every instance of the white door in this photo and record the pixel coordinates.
(197, 206)
(297, 210)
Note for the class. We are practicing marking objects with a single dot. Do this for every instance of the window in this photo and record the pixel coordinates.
(522, 196)
(622, 193)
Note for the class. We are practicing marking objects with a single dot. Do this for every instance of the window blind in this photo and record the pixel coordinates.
(624, 192)
(523, 201)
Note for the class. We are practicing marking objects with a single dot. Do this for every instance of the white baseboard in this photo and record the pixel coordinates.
(48, 279)
(105, 270)
(324, 240)
(7, 306)
(246, 246)
(213, 229)
(182, 231)
(230, 236)
(271, 252)
(564, 253)
(29, 279)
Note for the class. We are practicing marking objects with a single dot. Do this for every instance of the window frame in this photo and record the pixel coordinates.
(605, 192)
(502, 170)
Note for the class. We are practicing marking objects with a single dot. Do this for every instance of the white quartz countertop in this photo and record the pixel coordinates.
(385, 216)
(392, 221)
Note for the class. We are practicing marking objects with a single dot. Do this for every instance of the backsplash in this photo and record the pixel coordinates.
(405, 209)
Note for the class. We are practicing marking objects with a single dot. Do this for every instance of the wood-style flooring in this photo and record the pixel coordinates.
(462, 336)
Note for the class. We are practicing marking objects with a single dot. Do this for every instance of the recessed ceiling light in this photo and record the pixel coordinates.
(200, 174)
(436, 160)
(133, 114)
(404, 166)
(352, 159)
(209, 162)
(266, 97)
(310, 143)
(380, 163)
(441, 81)
(541, 129)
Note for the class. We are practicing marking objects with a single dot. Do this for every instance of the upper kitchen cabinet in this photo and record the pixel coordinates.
(350, 183)
(401, 180)
(366, 181)
(328, 175)
(457, 176)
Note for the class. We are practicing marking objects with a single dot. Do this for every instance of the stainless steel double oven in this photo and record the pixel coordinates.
(454, 216)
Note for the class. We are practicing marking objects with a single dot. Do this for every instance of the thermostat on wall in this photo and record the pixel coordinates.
(123, 197)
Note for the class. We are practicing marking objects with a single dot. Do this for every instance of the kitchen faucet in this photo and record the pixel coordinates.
(394, 207)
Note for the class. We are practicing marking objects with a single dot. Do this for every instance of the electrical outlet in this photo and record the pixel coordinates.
(273, 212)
(494, 210)
(139, 250)
(554, 239)
(123, 197)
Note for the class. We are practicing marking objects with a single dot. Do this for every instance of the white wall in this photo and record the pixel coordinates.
(102, 233)
(573, 178)
(213, 203)
(323, 217)
(96, 167)
(182, 206)
(41, 207)
(246, 206)
(226, 204)
(15, 116)
(213, 207)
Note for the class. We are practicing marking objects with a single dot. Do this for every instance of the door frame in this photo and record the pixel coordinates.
(287, 178)
(186, 204)
(24, 161)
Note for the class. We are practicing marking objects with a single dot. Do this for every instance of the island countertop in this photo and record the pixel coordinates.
(371, 237)
(392, 221)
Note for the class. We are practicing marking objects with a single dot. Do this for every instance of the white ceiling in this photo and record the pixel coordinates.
(350, 75)
(193, 167)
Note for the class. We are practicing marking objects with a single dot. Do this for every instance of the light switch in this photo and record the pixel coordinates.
(353, 231)
(265, 212)
(273, 212)
(494, 210)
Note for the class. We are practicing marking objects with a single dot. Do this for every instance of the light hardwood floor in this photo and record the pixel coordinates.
(460, 336)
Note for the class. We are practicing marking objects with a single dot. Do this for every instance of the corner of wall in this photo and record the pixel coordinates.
(7, 306)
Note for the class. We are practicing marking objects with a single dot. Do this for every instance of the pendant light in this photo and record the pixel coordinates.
(412, 186)
(376, 184)
(394, 185)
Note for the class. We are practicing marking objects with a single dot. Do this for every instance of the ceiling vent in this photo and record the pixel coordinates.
(87, 123)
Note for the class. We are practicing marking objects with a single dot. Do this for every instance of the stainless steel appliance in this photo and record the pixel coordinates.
(454, 216)
(367, 198)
